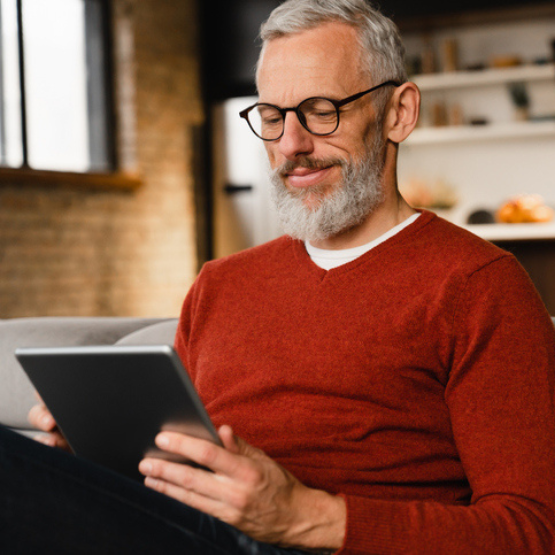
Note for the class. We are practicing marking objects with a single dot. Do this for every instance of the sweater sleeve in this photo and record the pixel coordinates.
(500, 400)
(186, 321)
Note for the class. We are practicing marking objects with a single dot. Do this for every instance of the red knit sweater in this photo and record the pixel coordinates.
(417, 381)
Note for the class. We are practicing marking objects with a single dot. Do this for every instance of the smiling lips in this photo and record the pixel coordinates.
(306, 177)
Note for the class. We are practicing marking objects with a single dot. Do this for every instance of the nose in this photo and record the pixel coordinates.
(296, 140)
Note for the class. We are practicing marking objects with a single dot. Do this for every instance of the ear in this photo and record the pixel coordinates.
(402, 112)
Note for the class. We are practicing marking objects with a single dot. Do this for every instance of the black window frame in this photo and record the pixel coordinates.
(100, 105)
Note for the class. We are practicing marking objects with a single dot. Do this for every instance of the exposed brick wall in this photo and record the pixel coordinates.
(78, 251)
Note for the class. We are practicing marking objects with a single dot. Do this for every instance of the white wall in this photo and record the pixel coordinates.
(486, 172)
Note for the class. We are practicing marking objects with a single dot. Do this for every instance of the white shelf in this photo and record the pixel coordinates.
(463, 133)
(513, 232)
(457, 79)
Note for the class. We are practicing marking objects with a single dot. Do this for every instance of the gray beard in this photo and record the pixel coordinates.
(357, 194)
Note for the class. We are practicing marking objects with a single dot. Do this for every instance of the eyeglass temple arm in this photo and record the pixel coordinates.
(361, 94)
(244, 113)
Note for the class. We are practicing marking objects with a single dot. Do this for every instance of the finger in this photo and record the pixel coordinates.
(219, 459)
(53, 439)
(190, 498)
(202, 482)
(39, 417)
(60, 442)
(203, 452)
(49, 439)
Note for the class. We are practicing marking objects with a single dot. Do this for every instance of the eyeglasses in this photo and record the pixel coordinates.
(319, 116)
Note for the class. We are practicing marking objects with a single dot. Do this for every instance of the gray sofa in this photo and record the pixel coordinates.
(16, 393)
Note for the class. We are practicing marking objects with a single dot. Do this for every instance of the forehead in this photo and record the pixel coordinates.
(324, 61)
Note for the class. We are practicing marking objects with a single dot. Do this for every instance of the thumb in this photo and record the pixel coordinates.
(237, 445)
(229, 440)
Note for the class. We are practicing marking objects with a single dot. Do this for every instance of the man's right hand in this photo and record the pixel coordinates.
(39, 417)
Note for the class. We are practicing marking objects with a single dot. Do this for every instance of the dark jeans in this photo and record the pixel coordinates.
(53, 502)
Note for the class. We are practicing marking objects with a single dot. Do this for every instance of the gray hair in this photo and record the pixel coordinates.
(382, 51)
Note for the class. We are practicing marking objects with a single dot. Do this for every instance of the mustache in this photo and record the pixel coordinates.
(308, 163)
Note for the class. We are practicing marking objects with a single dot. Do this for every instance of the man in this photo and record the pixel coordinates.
(389, 376)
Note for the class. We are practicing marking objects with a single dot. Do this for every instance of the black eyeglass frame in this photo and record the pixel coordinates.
(336, 103)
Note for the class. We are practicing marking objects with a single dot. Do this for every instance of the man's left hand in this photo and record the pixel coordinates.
(248, 490)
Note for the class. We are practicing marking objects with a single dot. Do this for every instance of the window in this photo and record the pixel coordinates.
(55, 109)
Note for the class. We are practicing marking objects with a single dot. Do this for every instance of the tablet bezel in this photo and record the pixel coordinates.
(110, 401)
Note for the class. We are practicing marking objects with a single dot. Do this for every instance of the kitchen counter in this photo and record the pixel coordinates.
(514, 232)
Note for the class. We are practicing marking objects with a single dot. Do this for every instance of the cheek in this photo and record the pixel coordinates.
(271, 153)
(347, 141)
(356, 147)
(355, 135)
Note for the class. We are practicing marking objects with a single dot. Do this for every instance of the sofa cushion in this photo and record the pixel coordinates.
(162, 333)
(16, 392)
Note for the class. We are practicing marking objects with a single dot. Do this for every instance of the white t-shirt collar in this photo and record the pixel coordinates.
(329, 259)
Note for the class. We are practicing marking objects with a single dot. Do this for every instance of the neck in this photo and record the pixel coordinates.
(390, 212)
(376, 224)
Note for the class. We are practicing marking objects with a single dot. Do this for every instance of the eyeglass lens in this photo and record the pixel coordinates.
(318, 115)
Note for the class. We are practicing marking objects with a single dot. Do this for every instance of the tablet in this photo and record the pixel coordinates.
(110, 402)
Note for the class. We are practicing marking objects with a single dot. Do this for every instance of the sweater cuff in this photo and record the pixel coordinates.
(373, 526)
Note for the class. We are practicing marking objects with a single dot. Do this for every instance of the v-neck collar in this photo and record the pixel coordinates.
(320, 274)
